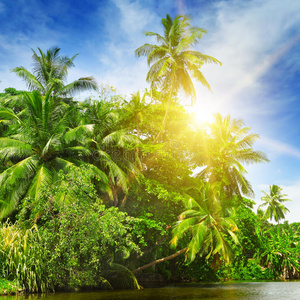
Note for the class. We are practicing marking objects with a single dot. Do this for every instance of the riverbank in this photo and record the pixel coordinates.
(9, 287)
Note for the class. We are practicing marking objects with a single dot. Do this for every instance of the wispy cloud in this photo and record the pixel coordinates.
(249, 37)
(280, 148)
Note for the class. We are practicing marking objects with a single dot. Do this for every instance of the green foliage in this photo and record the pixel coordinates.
(152, 198)
(120, 277)
(198, 270)
(210, 228)
(243, 269)
(78, 237)
(227, 147)
(8, 287)
(21, 257)
(66, 166)
(279, 251)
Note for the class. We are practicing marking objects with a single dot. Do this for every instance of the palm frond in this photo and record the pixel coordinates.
(79, 85)
(31, 81)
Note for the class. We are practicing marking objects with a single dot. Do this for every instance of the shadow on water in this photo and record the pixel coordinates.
(230, 291)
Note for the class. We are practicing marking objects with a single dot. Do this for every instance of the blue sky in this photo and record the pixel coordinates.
(258, 42)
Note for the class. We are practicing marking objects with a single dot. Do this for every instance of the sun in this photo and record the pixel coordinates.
(202, 112)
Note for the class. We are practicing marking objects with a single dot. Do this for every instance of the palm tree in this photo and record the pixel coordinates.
(134, 110)
(113, 148)
(273, 201)
(173, 62)
(42, 145)
(209, 224)
(222, 150)
(209, 228)
(50, 73)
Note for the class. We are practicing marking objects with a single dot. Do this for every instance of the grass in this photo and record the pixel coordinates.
(8, 287)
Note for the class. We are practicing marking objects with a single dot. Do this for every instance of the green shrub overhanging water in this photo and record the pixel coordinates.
(73, 238)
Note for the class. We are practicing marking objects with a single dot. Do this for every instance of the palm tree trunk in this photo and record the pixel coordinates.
(167, 111)
(114, 193)
(137, 128)
(123, 202)
(160, 260)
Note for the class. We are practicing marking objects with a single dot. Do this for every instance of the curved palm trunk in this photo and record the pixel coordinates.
(114, 193)
(160, 260)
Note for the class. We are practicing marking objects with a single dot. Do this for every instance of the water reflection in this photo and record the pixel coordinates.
(230, 291)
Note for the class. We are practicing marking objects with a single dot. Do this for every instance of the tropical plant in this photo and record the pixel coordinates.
(43, 145)
(275, 209)
(207, 228)
(21, 257)
(279, 251)
(50, 73)
(113, 148)
(134, 108)
(173, 62)
(80, 238)
(222, 149)
(210, 228)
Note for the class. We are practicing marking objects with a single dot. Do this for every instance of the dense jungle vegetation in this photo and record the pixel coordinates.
(98, 192)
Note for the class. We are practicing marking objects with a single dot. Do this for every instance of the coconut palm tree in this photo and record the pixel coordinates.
(209, 228)
(273, 201)
(113, 148)
(222, 149)
(134, 110)
(173, 63)
(50, 73)
(42, 145)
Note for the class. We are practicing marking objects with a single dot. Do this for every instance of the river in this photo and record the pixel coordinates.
(229, 291)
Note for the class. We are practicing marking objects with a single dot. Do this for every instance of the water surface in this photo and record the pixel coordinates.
(230, 291)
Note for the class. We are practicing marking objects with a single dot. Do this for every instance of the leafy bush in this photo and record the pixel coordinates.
(73, 240)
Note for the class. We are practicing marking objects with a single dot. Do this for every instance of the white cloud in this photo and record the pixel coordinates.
(134, 17)
(276, 147)
(249, 37)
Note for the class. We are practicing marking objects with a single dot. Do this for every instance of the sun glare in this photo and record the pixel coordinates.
(202, 112)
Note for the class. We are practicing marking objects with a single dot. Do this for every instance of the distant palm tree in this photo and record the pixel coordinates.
(134, 109)
(50, 73)
(273, 201)
(222, 150)
(173, 62)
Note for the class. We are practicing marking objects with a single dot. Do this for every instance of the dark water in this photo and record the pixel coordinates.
(230, 291)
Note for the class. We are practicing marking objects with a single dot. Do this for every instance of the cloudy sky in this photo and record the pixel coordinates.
(257, 41)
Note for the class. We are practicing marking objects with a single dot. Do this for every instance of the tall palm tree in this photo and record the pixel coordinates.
(172, 62)
(273, 201)
(50, 73)
(222, 150)
(42, 145)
